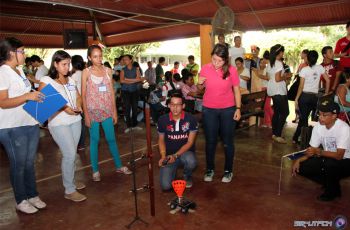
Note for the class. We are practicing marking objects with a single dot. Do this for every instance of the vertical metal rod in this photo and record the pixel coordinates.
(150, 159)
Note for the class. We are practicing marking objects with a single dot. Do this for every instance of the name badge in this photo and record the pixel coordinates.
(102, 88)
(71, 87)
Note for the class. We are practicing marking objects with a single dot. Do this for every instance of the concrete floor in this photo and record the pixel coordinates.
(250, 201)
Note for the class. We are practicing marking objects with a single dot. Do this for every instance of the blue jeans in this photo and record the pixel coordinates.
(168, 173)
(21, 145)
(108, 128)
(215, 120)
(67, 138)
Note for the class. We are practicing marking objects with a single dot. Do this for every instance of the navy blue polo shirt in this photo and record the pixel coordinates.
(176, 133)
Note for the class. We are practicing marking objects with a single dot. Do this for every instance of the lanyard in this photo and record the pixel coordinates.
(69, 95)
(24, 79)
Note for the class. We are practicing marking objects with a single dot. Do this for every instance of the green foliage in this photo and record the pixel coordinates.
(41, 52)
(135, 50)
(297, 39)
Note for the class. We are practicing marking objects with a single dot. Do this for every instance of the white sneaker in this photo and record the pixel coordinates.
(227, 177)
(36, 202)
(127, 130)
(96, 176)
(124, 170)
(208, 176)
(26, 207)
(137, 128)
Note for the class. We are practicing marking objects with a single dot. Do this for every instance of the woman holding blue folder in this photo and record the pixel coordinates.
(65, 125)
(19, 132)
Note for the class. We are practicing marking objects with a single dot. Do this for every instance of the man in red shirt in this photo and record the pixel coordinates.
(331, 67)
(342, 50)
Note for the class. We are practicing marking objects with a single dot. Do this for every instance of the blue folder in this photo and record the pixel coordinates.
(296, 155)
(42, 111)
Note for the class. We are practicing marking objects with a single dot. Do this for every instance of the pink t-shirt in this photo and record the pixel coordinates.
(219, 92)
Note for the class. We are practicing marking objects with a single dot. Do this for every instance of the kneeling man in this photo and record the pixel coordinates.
(177, 133)
(329, 164)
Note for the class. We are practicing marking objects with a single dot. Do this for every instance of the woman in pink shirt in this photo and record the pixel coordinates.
(221, 108)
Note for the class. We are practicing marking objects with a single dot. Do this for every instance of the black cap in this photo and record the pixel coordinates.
(328, 106)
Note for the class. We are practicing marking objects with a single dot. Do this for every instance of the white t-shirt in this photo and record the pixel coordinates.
(273, 87)
(41, 72)
(235, 52)
(264, 82)
(16, 86)
(77, 78)
(165, 90)
(337, 137)
(69, 92)
(312, 76)
(243, 83)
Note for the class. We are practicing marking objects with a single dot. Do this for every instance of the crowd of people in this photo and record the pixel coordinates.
(95, 91)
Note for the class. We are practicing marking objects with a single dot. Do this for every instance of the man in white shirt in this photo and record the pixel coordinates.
(150, 75)
(236, 51)
(329, 164)
(41, 69)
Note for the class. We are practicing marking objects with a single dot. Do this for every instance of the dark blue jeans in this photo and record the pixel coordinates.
(21, 144)
(168, 173)
(215, 120)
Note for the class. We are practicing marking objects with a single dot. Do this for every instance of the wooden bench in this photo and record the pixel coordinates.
(253, 105)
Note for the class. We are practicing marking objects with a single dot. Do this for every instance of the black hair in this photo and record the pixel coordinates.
(27, 60)
(78, 62)
(185, 78)
(58, 56)
(169, 78)
(274, 52)
(312, 57)
(149, 62)
(221, 35)
(129, 56)
(236, 37)
(266, 55)
(345, 76)
(6, 46)
(240, 59)
(89, 52)
(177, 94)
(348, 24)
(137, 65)
(120, 57)
(35, 58)
(222, 52)
(106, 64)
(258, 48)
(185, 72)
(176, 63)
(161, 59)
(325, 49)
(191, 57)
(177, 76)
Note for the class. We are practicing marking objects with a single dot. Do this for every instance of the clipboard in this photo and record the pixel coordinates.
(42, 111)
